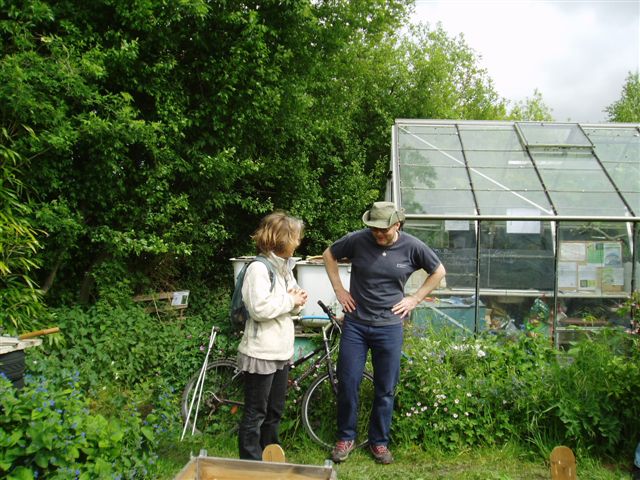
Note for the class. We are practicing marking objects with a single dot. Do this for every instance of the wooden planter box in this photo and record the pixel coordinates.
(213, 468)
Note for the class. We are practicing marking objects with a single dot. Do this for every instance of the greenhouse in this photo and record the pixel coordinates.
(537, 223)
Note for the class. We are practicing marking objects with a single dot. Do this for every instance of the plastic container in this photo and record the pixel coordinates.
(312, 277)
(12, 363)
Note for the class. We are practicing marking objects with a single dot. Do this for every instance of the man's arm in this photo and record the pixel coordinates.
(342, 294)
(408, 303)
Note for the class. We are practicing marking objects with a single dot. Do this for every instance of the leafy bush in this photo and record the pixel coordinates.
(48, 431)
(457, 391)
(124, 346)
(594, 394)
(486, 390)
(21, 306)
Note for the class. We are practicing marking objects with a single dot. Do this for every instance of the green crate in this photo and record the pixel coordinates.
(437, 315)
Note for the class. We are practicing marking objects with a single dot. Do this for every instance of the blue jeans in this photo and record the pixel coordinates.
(385, 343)
(264, 400)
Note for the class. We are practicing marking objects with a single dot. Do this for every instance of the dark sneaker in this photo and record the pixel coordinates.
(342, 449)
(381, 453)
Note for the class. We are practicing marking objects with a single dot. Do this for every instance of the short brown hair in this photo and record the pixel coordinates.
(277, 231)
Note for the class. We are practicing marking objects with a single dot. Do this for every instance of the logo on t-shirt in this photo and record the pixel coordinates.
(402, 265)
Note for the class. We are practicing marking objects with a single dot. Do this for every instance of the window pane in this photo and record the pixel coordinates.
(615, 144)
(453, 178)
(498, 159)
(502, 202)
(455, 245)
(565, 160)
(625, 175)
(487, 138)
(588, 204)
(576, 180)
(429, 138)
(431, 157)
(553, 134)
(437, 202)
(513, 260)
(501, 179)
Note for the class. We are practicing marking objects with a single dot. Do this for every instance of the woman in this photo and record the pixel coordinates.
(266, 348)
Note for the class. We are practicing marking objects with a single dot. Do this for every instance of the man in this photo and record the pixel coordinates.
(382, 259)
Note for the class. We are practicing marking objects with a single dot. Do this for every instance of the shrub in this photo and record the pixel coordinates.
(48, 431)
(464, 391)
(484, 390)
(122, 345)
(594, 394)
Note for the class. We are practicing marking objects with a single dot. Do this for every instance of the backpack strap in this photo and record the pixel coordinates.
(267, 263)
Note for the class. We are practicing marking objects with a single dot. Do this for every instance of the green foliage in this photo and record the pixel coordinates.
(531, 109)
(161, 133)
(47, 431)
(627, 107)
(630, 310)
(125, 346)
(21, 306)
(462, 393)
(467, 392)
(594, 395)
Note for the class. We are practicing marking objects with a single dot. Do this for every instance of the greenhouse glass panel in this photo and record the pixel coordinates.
(436, 158)
(633, 199)
(510, 159)
(588, 204)
(437, 202)
(476, 138)
(526, 203)
(455, 244)
(565, 160)
(453, 178)
(539, 134)
(625, 175)
(429, 138)
(594, 272)
(516, 255)
(615, 144)
(505, 179)
(576, 180)
(529, 312)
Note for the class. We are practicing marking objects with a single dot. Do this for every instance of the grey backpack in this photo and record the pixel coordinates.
(238, 315)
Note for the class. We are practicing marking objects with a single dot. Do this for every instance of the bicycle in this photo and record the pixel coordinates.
(222, 390)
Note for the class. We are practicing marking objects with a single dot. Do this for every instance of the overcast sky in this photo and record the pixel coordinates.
(577, 53)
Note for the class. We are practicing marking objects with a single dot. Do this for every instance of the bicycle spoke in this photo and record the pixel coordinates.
(319, 411)
(222, 396)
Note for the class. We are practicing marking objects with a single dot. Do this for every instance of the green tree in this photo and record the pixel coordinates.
(532, 109)
(21, 306)
(163, 131)
(627, 107)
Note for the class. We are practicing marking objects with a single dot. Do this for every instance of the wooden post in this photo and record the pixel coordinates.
(563, 464)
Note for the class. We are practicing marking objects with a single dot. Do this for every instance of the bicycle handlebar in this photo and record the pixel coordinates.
(328, 311)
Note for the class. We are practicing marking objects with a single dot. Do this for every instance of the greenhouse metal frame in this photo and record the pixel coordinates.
(537, 223)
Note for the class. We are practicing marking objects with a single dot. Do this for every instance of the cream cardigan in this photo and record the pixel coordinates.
(269, 332)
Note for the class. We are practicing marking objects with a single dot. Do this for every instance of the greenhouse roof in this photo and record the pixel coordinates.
(486, 169)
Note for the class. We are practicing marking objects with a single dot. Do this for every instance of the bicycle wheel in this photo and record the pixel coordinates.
(319, 407)
(222, 398)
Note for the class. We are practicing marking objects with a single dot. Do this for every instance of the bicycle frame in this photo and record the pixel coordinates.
(329, 345)
(193, 393)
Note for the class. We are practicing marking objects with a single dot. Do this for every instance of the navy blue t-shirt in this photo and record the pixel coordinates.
(378, 274)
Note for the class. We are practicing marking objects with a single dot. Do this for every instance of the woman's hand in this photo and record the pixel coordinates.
(299, 295)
